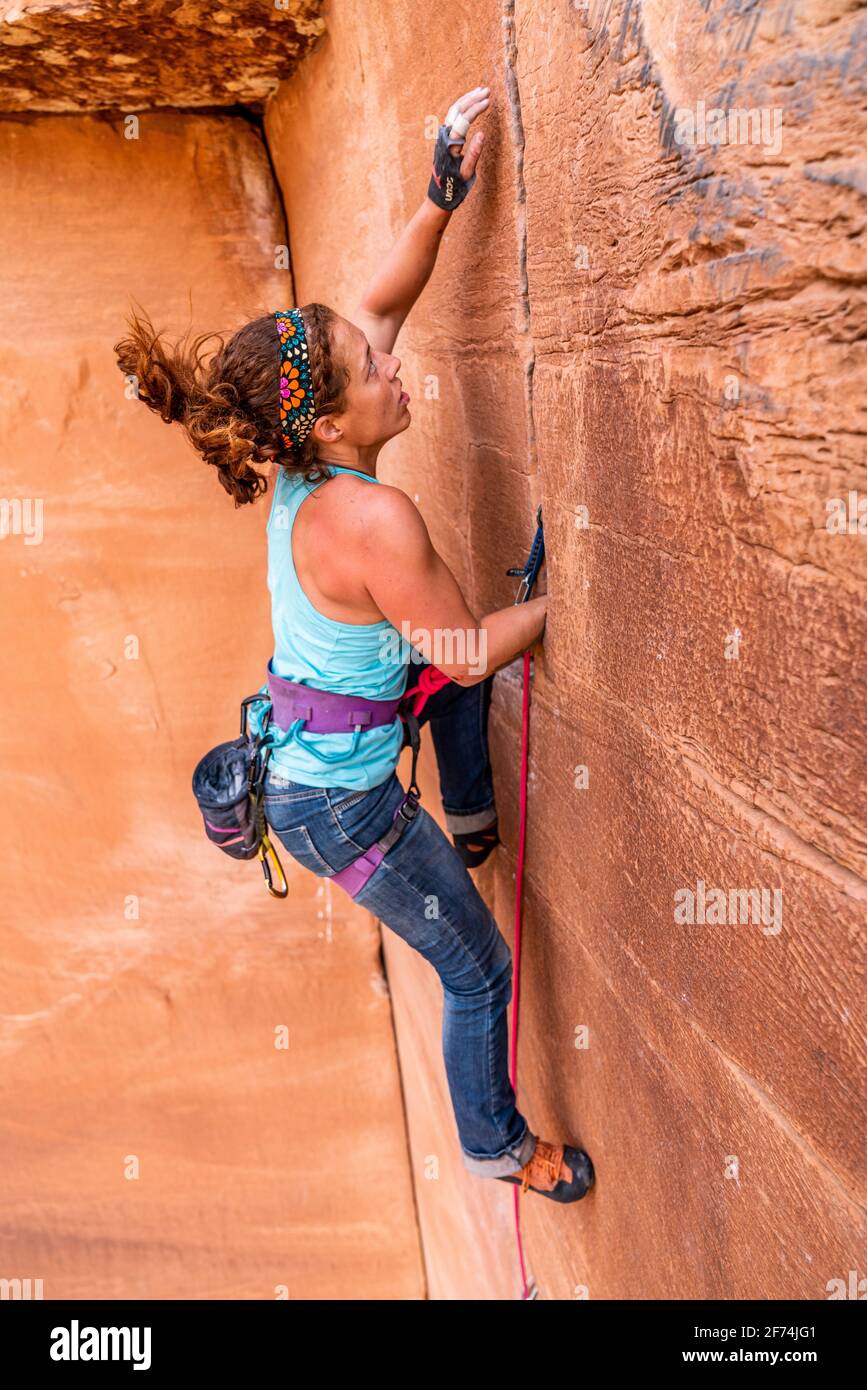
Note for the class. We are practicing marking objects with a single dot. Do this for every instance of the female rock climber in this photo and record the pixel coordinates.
(351, 564)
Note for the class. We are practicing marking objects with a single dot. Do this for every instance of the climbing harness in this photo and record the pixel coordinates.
(228, 785)
(322, 712)
(228, 782)
(528, 577)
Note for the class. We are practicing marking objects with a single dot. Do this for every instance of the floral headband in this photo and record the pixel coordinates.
(297, 407)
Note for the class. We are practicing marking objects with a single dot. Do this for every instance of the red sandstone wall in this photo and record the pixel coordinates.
(144, 975)
(663, 345)
(667, 338)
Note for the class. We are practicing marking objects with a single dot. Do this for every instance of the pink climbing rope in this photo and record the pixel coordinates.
(519, 887)
(430, 680)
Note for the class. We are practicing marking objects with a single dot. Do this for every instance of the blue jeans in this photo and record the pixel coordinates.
(423, 892)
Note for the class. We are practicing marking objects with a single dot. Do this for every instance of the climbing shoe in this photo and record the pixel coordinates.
(557, 1171)
(474, 846)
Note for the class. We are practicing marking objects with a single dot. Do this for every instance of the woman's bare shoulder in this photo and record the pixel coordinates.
(379, 505)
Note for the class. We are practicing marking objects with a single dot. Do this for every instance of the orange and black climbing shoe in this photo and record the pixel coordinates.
(557, 1171)
(474, 846)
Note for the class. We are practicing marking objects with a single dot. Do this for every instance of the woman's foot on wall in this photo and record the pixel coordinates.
(557, 1171)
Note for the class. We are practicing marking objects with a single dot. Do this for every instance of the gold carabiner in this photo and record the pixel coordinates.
(266, 849)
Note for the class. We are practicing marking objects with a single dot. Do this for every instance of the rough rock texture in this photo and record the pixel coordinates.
(144, 973)
(663, 343)
(57, 56)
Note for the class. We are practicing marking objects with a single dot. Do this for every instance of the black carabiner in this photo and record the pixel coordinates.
(529, 572)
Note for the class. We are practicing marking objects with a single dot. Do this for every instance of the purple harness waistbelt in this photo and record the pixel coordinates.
(323, 712)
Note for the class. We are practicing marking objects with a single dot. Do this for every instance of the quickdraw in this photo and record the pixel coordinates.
(529, 572)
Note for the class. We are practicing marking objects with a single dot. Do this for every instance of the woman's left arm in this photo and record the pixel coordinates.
(406, 270)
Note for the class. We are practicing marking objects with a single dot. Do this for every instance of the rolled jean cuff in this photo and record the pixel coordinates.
(461, 822)
(512, 1161)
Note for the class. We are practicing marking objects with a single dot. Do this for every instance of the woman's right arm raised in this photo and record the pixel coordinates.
(415, 590)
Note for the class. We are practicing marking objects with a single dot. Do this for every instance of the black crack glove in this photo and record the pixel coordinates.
(446, 188)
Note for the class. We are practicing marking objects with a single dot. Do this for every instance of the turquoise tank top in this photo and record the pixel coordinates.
(368, 659)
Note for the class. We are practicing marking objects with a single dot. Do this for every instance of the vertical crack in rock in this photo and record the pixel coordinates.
(526, 345)
(281, 201)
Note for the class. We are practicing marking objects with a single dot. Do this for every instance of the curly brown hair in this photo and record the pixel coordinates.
(229, 405)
